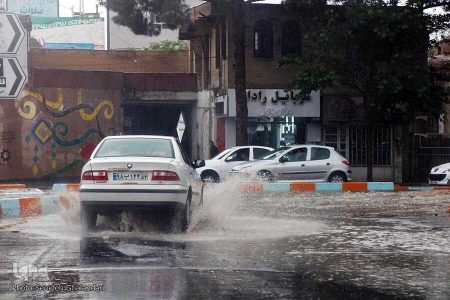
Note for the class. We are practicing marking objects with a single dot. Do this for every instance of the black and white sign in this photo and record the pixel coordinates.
(12, 33)
(276, 103)
(13, 56)
(181, 126)
(11, 84)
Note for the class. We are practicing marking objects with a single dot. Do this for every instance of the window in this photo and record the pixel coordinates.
(239, 155)
(298, 154)
(319, 153)
(351, 142)
(291, 40)
(217, 40)
(263, 39)
(336, 137)
(140, 147)
(223, 37)
(260, 152)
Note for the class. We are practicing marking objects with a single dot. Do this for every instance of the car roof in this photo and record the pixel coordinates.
(240, 147)
(141, 136)
(311, 145)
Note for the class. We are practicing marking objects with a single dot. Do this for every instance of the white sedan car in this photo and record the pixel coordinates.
(139, 172)
(298, 162)
(217, 168)
(440, 175)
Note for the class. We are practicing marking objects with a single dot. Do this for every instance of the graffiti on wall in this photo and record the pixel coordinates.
(61, 127)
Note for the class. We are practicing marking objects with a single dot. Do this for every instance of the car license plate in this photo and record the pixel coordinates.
(130, 176)
(433, 182)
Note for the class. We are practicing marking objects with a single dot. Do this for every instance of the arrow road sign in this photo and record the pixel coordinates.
(13, 79)
(11, 33)
(181, 126)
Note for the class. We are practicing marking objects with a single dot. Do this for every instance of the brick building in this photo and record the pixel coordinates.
(332, 117)
(74, 98)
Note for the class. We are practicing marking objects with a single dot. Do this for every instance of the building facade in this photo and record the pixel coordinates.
(331, 117)
(74, 98)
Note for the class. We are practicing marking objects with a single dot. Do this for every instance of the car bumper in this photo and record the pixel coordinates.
(137, 195)
(434, 180)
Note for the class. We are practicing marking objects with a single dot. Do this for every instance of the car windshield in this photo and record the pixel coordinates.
(140, 147)
(221, 154)
(275, 153)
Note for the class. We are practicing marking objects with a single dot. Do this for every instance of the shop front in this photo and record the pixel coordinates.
(275, 118)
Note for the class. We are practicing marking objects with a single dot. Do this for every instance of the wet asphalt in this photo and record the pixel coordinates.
(240, 245)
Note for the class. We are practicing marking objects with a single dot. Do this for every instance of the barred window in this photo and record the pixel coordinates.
(351, 142)
(382, 146)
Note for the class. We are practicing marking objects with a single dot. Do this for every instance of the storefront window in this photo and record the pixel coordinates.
(273, 131)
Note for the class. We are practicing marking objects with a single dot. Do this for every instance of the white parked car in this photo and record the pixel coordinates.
(139, 172)
(218, 168)
(440, 175)
(298, 162)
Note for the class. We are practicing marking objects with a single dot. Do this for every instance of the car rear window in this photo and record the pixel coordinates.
(319, 153)
(140, 147)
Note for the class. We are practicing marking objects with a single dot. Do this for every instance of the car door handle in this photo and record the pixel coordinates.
(328, 164)
(303, 165)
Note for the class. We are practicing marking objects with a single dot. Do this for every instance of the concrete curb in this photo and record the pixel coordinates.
(333, 187)
(26, 202)
(302, 187)
(12, 186)
(66, 187)
(29, 206)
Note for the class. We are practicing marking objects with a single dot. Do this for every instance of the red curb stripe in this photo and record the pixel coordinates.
(30, 206)
(399, 188)
(303, 187)
(251, 187)
(12, 186)
(441, 188)
(73, 187)
(66, 202)
(354, 186)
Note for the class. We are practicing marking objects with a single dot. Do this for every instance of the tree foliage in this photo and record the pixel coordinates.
(376, 49)
(141, 15)
(167, 46)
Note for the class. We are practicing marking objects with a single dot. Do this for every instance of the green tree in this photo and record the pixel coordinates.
(140, 17)
(375, 48)
(167, 46)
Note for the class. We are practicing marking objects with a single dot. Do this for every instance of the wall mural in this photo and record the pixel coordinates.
(63, 130)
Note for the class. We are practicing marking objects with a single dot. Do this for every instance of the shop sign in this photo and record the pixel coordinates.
(277, 103)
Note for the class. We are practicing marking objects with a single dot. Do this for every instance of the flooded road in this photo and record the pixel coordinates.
(243, 245)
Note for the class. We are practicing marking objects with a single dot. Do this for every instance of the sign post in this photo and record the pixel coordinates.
(13, 56)
(181, 127)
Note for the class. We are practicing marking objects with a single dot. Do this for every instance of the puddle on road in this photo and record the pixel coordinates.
(225, 215)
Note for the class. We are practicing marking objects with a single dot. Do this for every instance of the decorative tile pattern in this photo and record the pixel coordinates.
(42, 131)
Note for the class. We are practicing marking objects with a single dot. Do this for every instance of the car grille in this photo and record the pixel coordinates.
(436, 177)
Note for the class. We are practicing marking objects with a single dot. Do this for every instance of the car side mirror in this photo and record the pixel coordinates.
(229, 158)
(283, 159)
(199, 163)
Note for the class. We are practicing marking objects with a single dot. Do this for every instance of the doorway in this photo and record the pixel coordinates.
(157, 119)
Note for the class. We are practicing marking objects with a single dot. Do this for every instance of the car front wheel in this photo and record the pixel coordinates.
(337, 177)
(210, 176)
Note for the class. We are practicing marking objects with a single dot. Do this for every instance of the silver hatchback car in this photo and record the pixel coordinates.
(298, 162)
